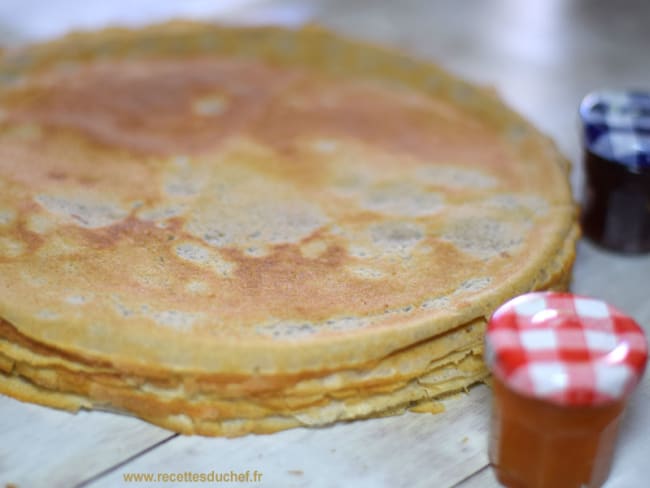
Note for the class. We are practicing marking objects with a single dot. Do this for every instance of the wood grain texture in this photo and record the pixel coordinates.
(542, 56)
(412, 450)
(45, 447)
(481, 479)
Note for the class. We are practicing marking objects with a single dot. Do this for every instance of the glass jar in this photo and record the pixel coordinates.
(616, 203)
(563, 368)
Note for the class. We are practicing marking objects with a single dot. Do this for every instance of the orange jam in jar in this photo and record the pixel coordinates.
(563, 367)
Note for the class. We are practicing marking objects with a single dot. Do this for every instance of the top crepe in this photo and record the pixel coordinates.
(261, 200)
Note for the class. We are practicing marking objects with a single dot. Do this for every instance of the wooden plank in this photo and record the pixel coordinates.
(623, 281)
(412, 450)
(50, 448)
(481, 479)
(631, 467)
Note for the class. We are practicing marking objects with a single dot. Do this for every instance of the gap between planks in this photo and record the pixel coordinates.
(121, 464)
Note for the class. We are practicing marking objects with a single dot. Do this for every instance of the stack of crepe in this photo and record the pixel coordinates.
(232, 230)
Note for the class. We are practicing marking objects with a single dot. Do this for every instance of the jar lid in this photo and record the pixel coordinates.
(617, 127)
(566, 349)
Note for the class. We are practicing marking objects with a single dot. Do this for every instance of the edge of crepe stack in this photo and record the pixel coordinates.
(401, 374)
(237, 405)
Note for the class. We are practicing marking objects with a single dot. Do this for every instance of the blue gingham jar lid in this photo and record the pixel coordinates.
(617, 127)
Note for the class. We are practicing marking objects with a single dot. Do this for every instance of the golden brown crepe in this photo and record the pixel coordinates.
(226, 229)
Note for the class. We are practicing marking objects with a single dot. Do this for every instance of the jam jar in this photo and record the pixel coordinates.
(616, 204)
(563, 368)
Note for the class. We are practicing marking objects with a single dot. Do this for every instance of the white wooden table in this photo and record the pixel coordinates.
(542, 56)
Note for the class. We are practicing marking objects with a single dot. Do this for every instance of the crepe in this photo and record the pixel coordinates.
(226, 230)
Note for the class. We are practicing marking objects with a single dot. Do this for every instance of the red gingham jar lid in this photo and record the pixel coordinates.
(567, 349)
